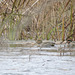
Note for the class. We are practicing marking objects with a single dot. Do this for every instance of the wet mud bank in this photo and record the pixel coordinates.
(32, 47)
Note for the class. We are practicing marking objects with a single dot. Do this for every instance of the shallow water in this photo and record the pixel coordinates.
(15, 62)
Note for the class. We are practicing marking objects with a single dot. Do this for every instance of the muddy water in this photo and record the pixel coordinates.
(16, 61)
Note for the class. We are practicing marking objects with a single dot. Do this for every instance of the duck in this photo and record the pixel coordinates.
(39, 41)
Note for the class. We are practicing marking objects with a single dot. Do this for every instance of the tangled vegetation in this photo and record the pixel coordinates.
(37, 19)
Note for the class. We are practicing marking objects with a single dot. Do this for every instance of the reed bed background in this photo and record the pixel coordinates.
(37, 19)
